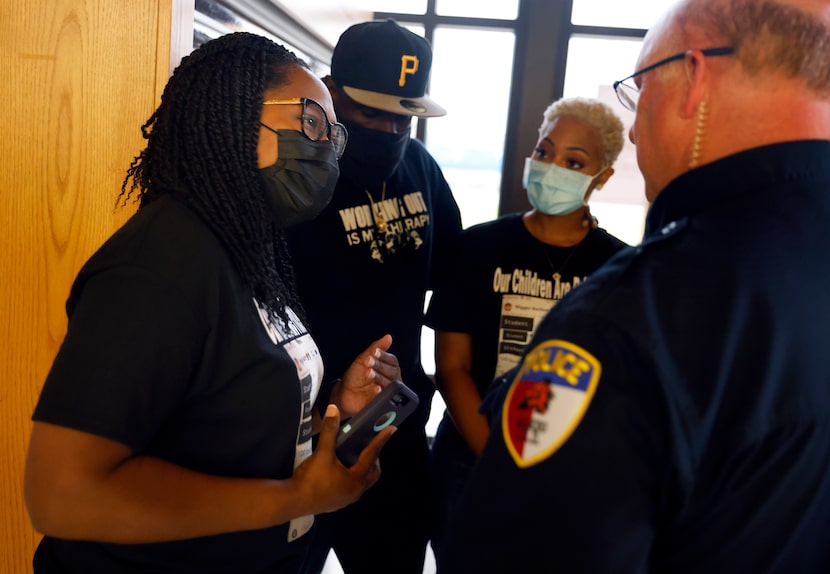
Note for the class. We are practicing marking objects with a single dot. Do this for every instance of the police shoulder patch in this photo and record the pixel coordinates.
(547, 400)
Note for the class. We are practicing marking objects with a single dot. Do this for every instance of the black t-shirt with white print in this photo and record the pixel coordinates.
(506, 281)
(168, 353)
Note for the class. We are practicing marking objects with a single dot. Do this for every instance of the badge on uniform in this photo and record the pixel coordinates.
(547, 400)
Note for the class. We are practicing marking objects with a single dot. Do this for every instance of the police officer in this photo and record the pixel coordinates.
(673, 414)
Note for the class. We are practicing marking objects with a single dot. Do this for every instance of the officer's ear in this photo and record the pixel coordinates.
(696, 76)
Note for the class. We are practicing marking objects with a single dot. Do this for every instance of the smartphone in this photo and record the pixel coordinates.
(389, 407)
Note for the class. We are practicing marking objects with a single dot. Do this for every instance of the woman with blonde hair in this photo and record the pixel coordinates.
(512, 271)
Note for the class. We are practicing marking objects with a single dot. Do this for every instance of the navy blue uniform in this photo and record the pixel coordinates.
(673, 414)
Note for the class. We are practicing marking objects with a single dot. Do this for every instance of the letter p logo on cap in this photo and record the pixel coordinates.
(409, 65)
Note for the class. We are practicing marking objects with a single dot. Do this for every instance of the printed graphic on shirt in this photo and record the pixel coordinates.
(519, 317)
(299, 345)
(388, 226)
(526, 299)
(547, 400)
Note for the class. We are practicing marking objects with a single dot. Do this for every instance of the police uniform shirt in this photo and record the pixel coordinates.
(673, 414)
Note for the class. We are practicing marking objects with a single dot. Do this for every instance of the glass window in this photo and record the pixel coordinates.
(468, 142)
(595, 62)
(615, 14)
(593, 66)
(503, 9)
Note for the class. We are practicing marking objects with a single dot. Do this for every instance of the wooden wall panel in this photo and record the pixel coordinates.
(81, 77)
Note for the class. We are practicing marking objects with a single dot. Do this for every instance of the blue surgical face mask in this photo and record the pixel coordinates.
(555, 190)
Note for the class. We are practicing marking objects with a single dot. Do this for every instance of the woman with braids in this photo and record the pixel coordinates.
(173, 432)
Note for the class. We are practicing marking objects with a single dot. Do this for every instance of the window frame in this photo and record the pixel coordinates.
(543, 31)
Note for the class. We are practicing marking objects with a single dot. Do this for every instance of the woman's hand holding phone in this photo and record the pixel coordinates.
(372, 370)
(388, 409)
(322, 483)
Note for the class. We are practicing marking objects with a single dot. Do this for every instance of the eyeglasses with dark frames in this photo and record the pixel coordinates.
(629, 94)
(315, 123)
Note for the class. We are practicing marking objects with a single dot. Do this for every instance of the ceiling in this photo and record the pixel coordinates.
(329, 18)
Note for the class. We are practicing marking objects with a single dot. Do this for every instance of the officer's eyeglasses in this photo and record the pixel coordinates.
(315, 123)
(629, 94)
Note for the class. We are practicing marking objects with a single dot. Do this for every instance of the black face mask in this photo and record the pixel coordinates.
(372, 156)
(301, 183)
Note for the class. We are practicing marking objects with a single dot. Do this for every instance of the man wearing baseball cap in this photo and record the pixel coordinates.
(363, 268)
(385, 66)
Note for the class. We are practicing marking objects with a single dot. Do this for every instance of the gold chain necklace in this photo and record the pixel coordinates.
(558, 269)
(380, 221)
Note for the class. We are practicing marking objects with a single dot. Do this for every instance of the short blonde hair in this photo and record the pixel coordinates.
(594, 113)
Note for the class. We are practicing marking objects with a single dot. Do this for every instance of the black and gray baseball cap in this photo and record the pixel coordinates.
(385, 66)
